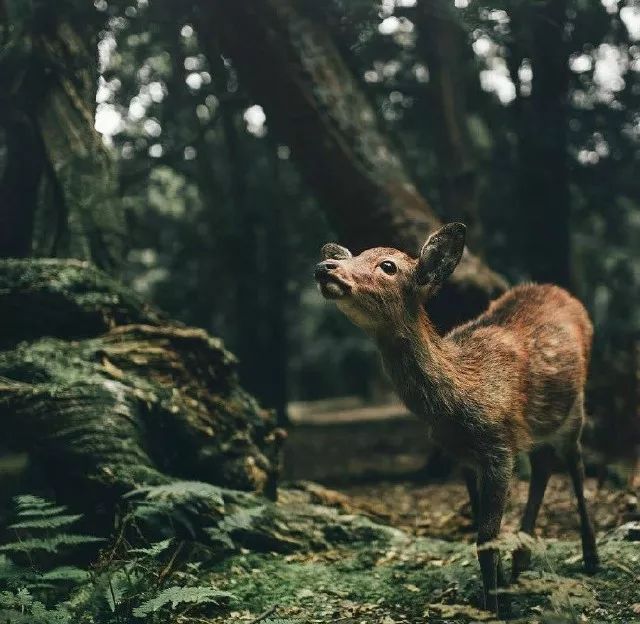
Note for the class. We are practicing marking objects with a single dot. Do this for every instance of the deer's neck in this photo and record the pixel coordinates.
(422, 367)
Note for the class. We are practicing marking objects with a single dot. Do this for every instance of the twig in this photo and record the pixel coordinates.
(264, 615)
(115, 602)
(169, 565)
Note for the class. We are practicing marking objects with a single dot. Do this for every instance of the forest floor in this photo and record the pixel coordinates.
(424, 569)
(442, 509)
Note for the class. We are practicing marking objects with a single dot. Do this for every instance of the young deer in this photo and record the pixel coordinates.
(510, 380)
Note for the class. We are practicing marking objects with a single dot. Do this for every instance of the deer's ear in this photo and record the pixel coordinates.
(333, 251)
(440, 255)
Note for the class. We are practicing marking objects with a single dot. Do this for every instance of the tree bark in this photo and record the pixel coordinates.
(106, 395)
(442, 42)
(544, 183)
(294, 70)
(58, 184)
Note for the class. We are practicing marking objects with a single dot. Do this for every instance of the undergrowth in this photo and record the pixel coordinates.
(188, 552)
(131, 580)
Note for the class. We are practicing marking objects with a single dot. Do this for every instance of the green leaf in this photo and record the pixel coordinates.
(154, 550)
(28, 501)
(51, 544)
(38, 512)
(178, 595)
(66, 573)
(53, 522)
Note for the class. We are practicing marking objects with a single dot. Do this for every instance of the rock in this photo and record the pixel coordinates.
(629, 531)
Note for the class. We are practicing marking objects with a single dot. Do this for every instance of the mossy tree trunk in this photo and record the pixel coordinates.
(57, 182)
(314, 103)
(106, 395)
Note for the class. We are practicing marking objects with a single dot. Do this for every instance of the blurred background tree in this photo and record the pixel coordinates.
(236, 138)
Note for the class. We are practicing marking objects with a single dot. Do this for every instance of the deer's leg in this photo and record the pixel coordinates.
(576, 472)
(542, 460)
(494, 486)
(471, 480)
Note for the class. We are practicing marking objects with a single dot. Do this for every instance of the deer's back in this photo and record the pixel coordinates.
(528, 354)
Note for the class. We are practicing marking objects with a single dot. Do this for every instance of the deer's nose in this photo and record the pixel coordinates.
(323, 269)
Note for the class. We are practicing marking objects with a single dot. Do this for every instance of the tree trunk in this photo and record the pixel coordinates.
(443, 42)
(294, 70)
(58, 184)
(544, 184)
(107, 395)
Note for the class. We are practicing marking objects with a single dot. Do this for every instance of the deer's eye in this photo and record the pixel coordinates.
(389, 267)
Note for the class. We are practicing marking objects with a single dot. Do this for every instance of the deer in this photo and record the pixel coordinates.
(509, 381)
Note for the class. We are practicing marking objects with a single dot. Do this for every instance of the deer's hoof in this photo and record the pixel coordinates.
(520, 562)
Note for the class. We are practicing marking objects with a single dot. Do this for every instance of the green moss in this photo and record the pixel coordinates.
(101, 385)
(401, 577)
(64, 298)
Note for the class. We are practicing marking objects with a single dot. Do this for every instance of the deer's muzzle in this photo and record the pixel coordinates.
(330, 285)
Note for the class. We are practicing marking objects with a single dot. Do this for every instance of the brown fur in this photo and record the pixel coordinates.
(510, 380)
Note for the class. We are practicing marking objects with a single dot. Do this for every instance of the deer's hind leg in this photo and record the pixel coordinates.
(575, 466)
(542, 460)
(572, 453)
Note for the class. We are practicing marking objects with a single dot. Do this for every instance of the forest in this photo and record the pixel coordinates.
(193, 433)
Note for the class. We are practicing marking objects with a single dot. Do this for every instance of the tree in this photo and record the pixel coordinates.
(58, 184)
(544, 199)
(293, 68)
(443, 43)
(106, 394)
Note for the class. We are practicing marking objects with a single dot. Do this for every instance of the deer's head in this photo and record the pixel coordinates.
(382, 287)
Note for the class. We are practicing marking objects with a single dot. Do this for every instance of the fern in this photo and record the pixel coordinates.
(180, 506)
(41, 527)
(179, 595)
(66, 574)
(49, 544)
(29, 501)
(21, 607)
(47, 522)
(127, 583)
(154, 549)
(182, 491)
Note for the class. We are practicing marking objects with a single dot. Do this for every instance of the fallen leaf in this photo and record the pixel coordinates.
(449, 611)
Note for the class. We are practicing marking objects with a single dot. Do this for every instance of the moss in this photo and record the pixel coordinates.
(107, 396)
(425, 580)
(346, 566)
(64, 298)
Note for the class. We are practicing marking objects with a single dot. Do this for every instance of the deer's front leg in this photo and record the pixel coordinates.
(494, 487)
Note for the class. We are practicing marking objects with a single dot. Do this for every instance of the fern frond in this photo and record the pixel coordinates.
(51, 544)
(29, 501)
(70, 574)
(181, 491)
(39, 512)
(154, 550)
(47, 522)
(178, 595)
(28, 505)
